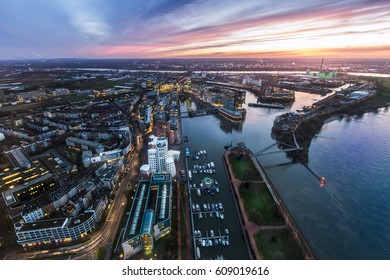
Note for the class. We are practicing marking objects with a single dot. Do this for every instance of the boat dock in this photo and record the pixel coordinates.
(267, 105)
(210, 235)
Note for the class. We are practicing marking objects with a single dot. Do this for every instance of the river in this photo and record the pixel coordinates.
(347, 218)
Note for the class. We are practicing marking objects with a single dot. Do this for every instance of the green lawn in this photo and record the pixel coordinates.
(243, 168)
(384, 87)
(259, 205)
(277, 245)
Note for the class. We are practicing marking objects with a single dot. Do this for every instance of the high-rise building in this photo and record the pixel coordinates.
(157, 154)
(239, 99)
(159, 158)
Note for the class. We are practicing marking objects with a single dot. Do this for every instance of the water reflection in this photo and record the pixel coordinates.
(348, 218)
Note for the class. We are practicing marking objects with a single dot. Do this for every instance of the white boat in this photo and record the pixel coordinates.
(212, 164)
(217, 214)
(226, 231)
(227, 241)
(203, 243)
(210, 242)
(193, 207)
(208, 206)
(200, 215)
(198, 192)
(220, 206)
(222, 215)
(204, 207)
(198, 252)
(212, 233)
(197, 207)
(216, 206)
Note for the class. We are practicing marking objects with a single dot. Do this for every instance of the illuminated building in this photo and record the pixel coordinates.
(149, 84)
(150, 215)
(147, 230)
(60, 229)
(239, 99)
(164, 88)
(157, 154)
(187, 86)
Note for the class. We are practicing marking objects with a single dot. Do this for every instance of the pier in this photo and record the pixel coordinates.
(266, 105)
(198, 113)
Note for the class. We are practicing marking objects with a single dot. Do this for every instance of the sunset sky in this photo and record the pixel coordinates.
(193, 28)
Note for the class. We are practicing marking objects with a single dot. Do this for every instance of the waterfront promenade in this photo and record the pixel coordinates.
(250, 229)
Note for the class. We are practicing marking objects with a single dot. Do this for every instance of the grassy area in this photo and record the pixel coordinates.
(383, 87)
(243, 167)
(277, 245)
(259, 205)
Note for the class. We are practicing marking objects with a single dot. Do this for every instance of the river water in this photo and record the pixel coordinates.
(347, 218)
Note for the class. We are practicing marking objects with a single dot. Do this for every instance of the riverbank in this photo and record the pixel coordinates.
(270, 230)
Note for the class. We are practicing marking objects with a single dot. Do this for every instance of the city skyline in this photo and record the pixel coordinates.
(215, 29)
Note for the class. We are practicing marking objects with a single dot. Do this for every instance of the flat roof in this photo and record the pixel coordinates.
(156, 198)
(18, 157)
(137, 210)
(26, 185)
(84, 142)
(147, 223)
(76, 221)
(43, 224)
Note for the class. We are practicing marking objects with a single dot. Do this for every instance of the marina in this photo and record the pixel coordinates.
(212, 235)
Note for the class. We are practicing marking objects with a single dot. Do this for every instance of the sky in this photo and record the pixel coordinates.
(194, 28)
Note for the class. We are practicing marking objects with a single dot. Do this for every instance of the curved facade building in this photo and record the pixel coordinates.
(147, 230)
(170, 166)
(157, 154)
